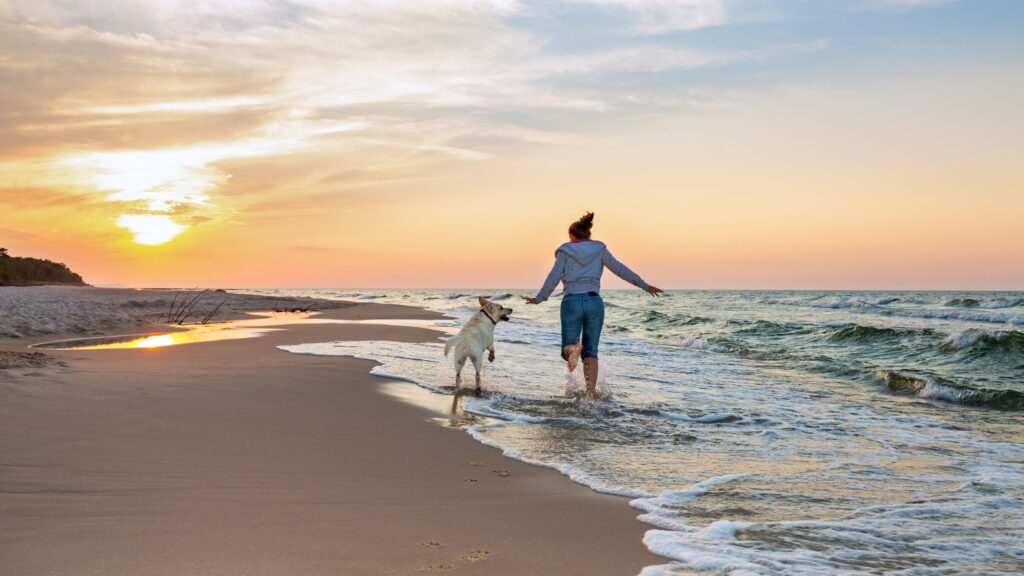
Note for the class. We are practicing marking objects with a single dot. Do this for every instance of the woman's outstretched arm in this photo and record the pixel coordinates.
(554, 277)
(623, 271)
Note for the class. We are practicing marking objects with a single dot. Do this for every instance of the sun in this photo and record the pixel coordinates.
(151, 229)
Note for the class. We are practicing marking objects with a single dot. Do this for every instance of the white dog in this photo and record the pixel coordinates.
(475, 337)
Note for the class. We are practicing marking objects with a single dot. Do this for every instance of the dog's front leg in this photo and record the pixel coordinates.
(490, 353)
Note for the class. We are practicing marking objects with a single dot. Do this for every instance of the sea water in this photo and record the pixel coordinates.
(766, 432)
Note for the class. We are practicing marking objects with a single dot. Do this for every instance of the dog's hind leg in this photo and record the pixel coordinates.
(459, 363)
(478, 365)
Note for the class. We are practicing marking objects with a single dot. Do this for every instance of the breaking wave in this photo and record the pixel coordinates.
(993, 303)
(938, 389)
(986, 341)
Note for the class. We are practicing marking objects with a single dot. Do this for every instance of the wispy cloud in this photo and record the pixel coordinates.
(904, 4)
(156, 104)
(660, 16)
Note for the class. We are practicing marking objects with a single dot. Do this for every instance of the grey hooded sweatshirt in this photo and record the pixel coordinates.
(579, 265)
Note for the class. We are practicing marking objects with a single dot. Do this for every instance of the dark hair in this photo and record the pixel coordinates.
(580, 229)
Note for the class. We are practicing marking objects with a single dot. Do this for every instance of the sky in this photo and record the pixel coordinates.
(747, 144)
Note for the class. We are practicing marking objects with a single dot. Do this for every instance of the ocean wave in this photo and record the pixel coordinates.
(986, 341)
(702, 344)
(660, 319)
(768, 328)
(851, 302)
(937, 389)
(715, 418)
(500, 297)
(963, 303)
(993, 303)
(864, 307)
(1000, 303)
(860, 333)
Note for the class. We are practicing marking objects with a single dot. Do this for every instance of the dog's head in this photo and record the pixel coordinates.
(496, 311)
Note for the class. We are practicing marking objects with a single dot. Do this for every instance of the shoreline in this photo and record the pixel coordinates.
(235, 457)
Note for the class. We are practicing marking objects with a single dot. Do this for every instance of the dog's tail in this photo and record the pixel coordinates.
(449, 345)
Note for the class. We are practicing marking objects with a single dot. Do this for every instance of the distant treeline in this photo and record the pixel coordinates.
(15, 271)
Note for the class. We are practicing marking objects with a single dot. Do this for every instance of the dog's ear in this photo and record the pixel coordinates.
(483, 302)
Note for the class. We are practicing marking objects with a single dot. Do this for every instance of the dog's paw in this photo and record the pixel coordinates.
(490, 357)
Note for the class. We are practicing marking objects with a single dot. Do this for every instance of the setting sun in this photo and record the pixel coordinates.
(151, 229)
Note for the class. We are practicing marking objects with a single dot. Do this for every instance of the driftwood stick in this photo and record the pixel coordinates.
(173, 303)
(179, 299)
(212, 313)
(186, 310)
(186, 297)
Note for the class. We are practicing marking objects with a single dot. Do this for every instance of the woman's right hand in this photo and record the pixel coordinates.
(654, 290)
(530, 300)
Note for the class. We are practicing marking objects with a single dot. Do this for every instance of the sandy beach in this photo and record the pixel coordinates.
(234, 457)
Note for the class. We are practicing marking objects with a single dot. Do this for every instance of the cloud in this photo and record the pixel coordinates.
(159, 106)
(9, 234)
(903, 4)
(640, 59)
(660, 16)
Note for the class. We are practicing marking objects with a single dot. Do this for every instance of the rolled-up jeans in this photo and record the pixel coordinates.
(582, 314)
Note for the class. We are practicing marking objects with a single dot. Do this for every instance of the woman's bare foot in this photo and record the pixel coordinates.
(572, 355)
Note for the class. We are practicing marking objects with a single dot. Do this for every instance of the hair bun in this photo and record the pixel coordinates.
(580, 229)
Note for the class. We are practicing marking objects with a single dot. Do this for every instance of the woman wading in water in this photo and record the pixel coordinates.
(578, 265)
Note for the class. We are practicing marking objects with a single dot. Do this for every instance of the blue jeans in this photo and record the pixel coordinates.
(582, 313)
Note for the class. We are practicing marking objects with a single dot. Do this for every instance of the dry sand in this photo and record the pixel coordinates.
(233, 457)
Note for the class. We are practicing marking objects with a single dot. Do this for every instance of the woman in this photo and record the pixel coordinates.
(578, 265)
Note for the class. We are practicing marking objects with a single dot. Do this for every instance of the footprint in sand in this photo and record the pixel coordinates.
(502, 473)
(475, 555)
(437, 567)
(431, 544)
(470, 480)
(472, 463)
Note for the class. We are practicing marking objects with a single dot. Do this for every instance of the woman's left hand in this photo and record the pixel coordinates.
(530, 300)
(654, 290)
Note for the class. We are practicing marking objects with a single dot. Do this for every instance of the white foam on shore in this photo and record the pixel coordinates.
(899, 537)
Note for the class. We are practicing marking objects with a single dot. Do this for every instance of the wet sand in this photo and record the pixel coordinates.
(233, 457)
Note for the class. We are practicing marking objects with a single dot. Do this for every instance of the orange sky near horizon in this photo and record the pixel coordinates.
(374, 145)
